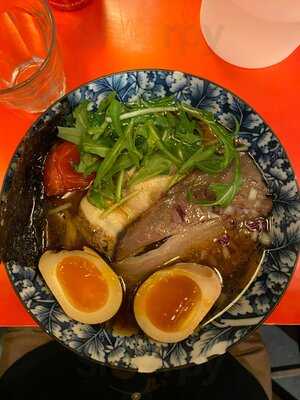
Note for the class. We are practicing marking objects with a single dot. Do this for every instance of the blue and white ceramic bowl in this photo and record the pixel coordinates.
(140, 352)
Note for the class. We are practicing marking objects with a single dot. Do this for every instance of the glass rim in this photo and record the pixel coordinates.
(46, 60)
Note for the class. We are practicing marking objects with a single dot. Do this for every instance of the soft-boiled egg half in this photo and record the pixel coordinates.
(170, 304)
(83, 284)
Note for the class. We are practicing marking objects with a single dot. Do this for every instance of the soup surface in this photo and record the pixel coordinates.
(148, 185)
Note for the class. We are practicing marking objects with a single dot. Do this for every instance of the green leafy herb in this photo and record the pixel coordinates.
(114, 111)
(192, 162)
(124, 162)
(158, 141)
(133, 152)
(155, 165)
(104, 104)
(97, 149)
(97, 131)
(88, 164)
(237, 126)
(119, 185)
(117, 205)
(112, 155)
(81, 115)
(69, 134)
(145, 111)
(100, 147)
(224, 192)
(97, 199)
(126, 144)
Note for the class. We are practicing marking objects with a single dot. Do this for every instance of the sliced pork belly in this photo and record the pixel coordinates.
(200, 243)
(173, 213)
(178, 247)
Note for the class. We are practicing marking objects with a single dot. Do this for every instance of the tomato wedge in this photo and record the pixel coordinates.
(59, 173)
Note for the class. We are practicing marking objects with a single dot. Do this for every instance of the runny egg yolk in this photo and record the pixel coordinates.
(170, 301)
(82, 283)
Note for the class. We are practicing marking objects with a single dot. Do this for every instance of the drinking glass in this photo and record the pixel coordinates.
(31, 70)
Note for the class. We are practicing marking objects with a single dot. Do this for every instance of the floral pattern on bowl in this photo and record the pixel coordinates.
(138, 351)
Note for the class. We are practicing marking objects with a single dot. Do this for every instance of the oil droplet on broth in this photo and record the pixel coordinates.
(83, 283)
(170, 301)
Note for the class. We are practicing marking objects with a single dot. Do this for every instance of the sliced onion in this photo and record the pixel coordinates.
(66, 195)
(70, 239)
(228, 210)
(258, 224)
(242, 148)
(252, 194)
(203, 254)
(265, 239)
(224, 240)
(212, 215)
(254, 236)
(226, 253)
(58, 209)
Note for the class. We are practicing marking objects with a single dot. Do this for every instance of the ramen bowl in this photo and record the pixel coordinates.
(22, 236)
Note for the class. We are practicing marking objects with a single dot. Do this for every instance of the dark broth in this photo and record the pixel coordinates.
(61, 230)
(237, 262)
(236, 271)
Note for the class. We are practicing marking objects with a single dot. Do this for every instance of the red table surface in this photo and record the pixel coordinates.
(113, 35)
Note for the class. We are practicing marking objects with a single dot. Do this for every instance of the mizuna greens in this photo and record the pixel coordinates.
(125, 144)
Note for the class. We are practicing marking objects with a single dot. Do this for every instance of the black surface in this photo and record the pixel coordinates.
(51, 371)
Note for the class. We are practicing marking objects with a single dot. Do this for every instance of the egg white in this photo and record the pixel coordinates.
(209, 284)
(48, 267)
